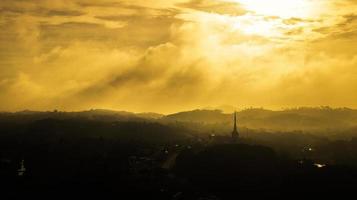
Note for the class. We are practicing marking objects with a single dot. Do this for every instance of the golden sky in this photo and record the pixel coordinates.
(171, 55)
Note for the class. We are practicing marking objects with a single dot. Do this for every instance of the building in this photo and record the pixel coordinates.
(235, 134)
(221, 139)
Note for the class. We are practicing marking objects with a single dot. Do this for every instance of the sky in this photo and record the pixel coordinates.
(172, 55)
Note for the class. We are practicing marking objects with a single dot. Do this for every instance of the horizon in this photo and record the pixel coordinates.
(189, 110)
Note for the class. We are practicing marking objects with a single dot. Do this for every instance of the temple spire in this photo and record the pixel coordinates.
(235, 134)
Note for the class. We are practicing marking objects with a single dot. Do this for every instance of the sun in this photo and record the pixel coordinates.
(280, 8)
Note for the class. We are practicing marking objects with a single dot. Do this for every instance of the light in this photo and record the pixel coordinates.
(281, 8)
(319, 165)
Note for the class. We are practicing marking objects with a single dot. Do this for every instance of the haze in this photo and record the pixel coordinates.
(170, 55)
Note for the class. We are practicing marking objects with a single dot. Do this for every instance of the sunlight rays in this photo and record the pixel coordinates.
(280, 8)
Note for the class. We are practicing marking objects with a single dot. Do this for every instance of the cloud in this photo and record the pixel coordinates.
(166, 56)
(215, 6)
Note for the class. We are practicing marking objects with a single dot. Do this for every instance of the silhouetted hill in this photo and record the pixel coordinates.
(322, 120)
(200, 116)
(94, 114)
(149, 115)
(305, 119)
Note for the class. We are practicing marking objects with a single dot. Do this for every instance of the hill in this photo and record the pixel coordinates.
(319, 119)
